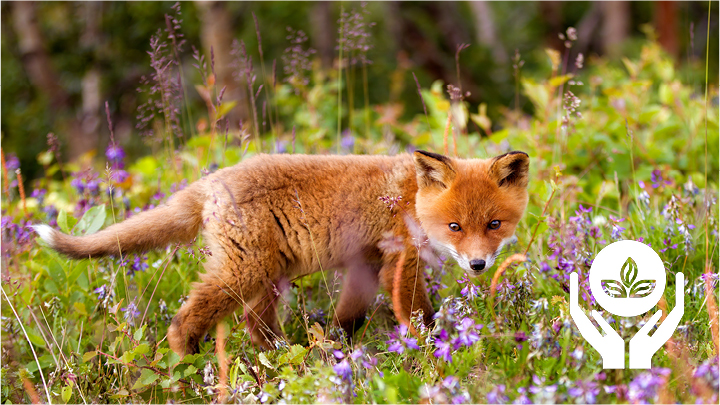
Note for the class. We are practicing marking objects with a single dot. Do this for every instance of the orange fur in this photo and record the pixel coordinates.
(279, 217)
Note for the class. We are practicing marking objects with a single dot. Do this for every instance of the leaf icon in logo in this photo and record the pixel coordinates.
(614, 288)
(627, 287)
(642, 288)
(629, 272)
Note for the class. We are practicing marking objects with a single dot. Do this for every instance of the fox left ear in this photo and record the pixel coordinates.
(510, 169)
(433, 169)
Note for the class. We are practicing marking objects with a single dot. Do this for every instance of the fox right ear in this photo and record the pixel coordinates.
(510, 169)
(433, 169)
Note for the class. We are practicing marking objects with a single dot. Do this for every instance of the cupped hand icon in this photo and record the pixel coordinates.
(642, 345)
(611, 346)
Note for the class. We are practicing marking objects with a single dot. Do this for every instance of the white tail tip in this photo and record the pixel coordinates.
(45, 232)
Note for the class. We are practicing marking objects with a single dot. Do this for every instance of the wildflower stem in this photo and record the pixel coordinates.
(367, 101)
(158, 283)
(42, 376)
(446, 150)
(21, 188)
(6, 187)
(516, 258)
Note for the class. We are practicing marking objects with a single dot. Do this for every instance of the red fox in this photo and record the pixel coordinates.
(279, 217)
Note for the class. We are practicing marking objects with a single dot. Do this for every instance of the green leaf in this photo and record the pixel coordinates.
(142, 349)
(67, 393)
(559, 80)
(190, 370)
(88, 356)
(62, 221)
(36, 339)
(147, 377)
(80, 308)
(264, 361)
(629, 272)
(139, 333)
(170, 359)
(127, 357)
(294, 356)
(92, 221)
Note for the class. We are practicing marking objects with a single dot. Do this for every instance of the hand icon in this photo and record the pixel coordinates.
(611, 346)
(643, 346)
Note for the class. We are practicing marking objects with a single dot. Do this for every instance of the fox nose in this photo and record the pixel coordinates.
(477, 264)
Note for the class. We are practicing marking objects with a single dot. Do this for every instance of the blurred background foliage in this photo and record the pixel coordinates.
(63, 60)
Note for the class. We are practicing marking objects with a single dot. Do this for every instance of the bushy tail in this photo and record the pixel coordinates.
(177, 221)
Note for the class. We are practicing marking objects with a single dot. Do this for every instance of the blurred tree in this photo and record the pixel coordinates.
(666, 22)
(323, 32)
(90, 116)
(485, 29)
(615, 25)
(217, 33)
(33, 51)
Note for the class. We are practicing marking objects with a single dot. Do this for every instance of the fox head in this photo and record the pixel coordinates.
(469, 208)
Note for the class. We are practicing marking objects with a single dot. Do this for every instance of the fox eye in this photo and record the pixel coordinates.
(494, 224)
(454, 227)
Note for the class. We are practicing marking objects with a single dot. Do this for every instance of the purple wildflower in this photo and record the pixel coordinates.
(131, 312)
(467, 335)
(115, 155)
(343, 370)
(444, 350)
(399, 340)
(12, 162)
(296, 60)
(585, 391)
(657, 179)
(497, 395)
(644, 388)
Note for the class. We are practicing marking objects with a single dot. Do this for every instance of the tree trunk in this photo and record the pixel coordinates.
(323, 33)
(217, 33)
(34, 55)
(615, 26)
(485, 30)
(87, 138)
(667, 27)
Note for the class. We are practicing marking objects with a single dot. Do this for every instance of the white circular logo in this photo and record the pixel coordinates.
(633, 275)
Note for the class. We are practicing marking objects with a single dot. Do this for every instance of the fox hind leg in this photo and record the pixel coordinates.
(360, 286)
(261, 318)
(215, 297)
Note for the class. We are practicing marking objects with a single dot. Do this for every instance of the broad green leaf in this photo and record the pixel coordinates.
(170, 359)
(190, 370)
(88, 356)
(80, 308)
(142, 349)
(35, 339)
(146, 378)
(264, 361)
(294, 356)
(66, 393)
(62, 221)
(139, 333)
(92, 221)
(560, 80)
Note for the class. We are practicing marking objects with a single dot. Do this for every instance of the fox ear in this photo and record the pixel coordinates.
(510, 169)
(433, 169)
